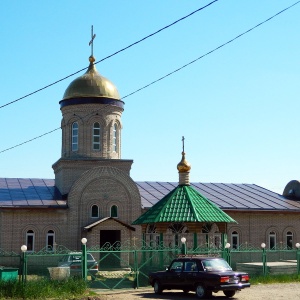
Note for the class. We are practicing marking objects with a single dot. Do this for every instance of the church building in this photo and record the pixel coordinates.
(93, 195)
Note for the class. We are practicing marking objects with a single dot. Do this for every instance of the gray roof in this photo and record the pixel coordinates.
(22, 192)
(227, 196)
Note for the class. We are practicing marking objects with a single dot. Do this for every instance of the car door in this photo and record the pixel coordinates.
(189, 274)
(174, 277)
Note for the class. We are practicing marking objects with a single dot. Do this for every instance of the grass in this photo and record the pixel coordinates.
(274, 279)
(76, 288)
(43, 289)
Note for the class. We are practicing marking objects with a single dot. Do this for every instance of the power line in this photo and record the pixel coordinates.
(46, 133)
(171, 73)
(109, 56)
(28, 141)
(211, 51)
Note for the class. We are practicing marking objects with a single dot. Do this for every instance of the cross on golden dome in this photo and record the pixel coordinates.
(91, 43)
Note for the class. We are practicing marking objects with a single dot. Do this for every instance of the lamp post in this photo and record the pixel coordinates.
(298, 257)
(227, 248)
(183, 246)
(24, 263)
(84, 259)
(264, 258)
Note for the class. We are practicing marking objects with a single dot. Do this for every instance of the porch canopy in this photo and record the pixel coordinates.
(185, 205)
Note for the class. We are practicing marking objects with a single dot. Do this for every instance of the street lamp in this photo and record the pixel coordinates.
(298, 257)
(264, 258)
(84, 258)
(183, 246)
(24, 265)
(227, 253)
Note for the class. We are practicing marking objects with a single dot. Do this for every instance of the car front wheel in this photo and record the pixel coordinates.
(157, 287)
(229, 293)
(200, 291)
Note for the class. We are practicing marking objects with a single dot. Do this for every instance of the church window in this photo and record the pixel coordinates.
(30, 240)
(115, 138)
(114, 211)
(75, 136)
(50, 240)
(272, 240)
(176, 230)
(152, 237)
(95, 211)
(289, 240)
(96, 136)
(235, 240)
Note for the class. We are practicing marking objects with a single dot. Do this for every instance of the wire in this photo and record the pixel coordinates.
(207, 53)
(182, 67)
(109, 56)
(28, 141)
(35, 138)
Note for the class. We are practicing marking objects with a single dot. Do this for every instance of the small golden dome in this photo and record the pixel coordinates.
(91, 84)
(183, 166)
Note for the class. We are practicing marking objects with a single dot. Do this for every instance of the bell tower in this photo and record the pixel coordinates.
(91, 128)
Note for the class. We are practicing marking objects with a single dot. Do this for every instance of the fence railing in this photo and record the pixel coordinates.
(123, 266)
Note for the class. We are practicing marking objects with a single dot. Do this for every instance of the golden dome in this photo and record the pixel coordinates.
(183, 166)
(91, 84)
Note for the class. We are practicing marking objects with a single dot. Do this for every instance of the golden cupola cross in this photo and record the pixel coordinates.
(91, 43)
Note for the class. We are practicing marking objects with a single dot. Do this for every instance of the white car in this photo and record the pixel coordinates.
(73, 260)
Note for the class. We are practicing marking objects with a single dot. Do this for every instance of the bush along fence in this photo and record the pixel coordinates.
(127, 266)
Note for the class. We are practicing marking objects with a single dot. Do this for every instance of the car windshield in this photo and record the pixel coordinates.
(77, 257)
(216, 265)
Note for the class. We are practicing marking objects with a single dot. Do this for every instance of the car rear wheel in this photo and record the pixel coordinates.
(200, 291)
(229, 293)
(157, 287)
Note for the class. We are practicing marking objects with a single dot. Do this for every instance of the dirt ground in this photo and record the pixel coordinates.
(286, 291)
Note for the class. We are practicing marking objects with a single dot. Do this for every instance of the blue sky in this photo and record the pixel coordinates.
(237, 107)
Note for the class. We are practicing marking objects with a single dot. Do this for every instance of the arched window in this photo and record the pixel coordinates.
(235, 240)
(272, 240)
(50, 240)
(96, 137)
(75, 136)
(95, 211)
(177, 230)
(30, 240)
(152, 237)
(115, 138)
(114, 211)
(289, 240)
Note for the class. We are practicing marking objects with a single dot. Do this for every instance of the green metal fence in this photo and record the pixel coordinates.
(126, 266)
(11, 259)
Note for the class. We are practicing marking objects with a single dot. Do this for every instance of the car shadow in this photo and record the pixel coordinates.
(180, 295)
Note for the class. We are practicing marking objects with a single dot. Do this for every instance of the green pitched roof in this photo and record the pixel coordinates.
(184, 204)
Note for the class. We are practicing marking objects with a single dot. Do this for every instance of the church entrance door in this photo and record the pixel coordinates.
(109, 240)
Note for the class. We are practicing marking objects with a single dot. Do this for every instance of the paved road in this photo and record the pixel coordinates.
(285, 291)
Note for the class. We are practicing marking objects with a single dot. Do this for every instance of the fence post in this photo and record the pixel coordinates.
(264, 258)
(298, 257)
(24, 263)
(227, 253)
(136, 270)
(84, 258)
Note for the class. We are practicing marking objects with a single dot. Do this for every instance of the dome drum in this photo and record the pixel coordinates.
(91, 100)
